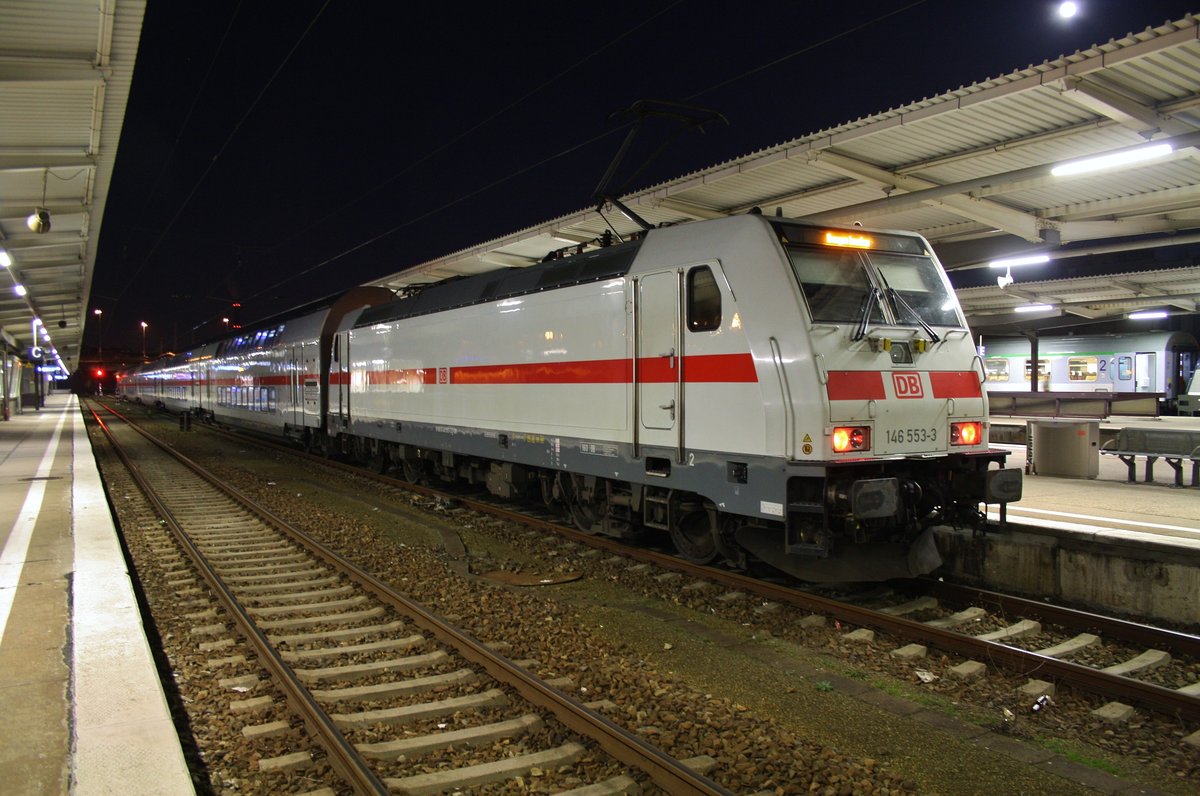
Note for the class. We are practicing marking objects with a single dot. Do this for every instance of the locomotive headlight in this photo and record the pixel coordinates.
(851, 438)
(966, 433)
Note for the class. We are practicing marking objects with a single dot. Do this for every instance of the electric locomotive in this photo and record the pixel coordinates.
(756, 388)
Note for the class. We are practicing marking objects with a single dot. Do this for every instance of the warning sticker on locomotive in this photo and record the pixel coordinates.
(598, 449)
(768, 507)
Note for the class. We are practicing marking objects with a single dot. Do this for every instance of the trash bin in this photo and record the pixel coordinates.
(1063, 448)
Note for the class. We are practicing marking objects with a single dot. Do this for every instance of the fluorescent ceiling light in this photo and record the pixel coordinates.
(1138, 316)
(5, 259)
(1029, 259)
(1033, 308)
(20, 290)
(1112, 160)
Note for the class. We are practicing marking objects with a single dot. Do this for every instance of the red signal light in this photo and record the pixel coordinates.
(851, 438)
(970, 433)
(99, 373)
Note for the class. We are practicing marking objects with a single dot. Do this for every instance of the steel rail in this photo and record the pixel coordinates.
(344, 758)
(1173, 641)
(666, 771)
(1165, 700)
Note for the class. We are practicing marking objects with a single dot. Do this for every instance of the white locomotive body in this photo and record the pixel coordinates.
(747, 384)
(755, 387)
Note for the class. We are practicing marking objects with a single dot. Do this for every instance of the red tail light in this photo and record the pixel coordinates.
(851, 438)
(970, 433)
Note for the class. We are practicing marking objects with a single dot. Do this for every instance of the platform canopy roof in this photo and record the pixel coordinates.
(971, 170)
(65, 73)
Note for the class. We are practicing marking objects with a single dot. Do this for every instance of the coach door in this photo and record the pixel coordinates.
(658, 366)
(293, 410)
(1145, 371)
(310, 384)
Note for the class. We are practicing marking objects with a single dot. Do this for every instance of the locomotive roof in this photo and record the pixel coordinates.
(592, 266)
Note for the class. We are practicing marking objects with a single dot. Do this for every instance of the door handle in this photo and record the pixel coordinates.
(669, 406)
(670, 355)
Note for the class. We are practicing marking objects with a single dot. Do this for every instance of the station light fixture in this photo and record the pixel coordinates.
(39, 219)
(5, 259)
(1025, 259)
(1144, 315)
(1112, 160)
(1033, 308)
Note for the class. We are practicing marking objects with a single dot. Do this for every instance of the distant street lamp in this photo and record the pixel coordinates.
(100, 320)
(144, 324)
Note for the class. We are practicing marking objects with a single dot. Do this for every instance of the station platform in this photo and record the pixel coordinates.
(84, 711)
(1109, 504)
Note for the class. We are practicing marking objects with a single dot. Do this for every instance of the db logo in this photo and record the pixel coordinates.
(908, 385)
(443, 375)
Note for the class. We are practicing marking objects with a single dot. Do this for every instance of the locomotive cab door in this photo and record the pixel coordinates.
(658, 365)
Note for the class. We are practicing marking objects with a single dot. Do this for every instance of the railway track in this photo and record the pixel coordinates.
(1122, 680)
(352, 658)
(822, 622)
(1106, 655)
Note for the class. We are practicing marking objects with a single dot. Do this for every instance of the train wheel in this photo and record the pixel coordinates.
(695, 535)
(549, 495)
(413, 472)
(580, 508)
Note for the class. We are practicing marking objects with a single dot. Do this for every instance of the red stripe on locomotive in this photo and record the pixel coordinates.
(715, 368)
(955, 384)
(855, 385)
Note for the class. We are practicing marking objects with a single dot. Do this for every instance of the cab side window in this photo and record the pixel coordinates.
(703, 300)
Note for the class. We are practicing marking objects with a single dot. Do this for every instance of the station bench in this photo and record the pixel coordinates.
(1173, 446)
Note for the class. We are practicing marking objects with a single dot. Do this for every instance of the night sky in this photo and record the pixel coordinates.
(275, 153)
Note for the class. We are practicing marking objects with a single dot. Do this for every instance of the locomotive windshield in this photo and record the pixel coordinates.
(838, 286)
(835, 284)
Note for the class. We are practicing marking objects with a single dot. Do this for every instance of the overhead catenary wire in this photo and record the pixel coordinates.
(409, 221)
(224, 145)
(569, 150)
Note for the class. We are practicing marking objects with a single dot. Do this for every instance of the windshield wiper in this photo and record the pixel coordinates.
(864, 318)
(898, 301)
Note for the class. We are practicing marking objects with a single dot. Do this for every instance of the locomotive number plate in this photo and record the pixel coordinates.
(910, 439)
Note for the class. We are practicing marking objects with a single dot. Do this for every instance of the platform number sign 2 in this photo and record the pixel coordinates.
(907, 385)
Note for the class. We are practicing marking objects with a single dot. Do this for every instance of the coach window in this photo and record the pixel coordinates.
(997, 369)
(1124, 368)
(1082, 368)
(703, 300)
(1043, 366)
